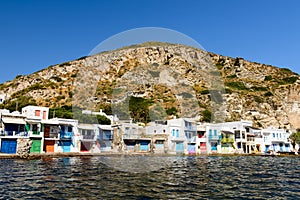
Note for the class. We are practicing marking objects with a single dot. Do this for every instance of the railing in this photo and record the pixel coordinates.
(192, 140)
(278, 140)
(14, 133)
(131, 136)
(88, 137)
(227, 140)
(34, 133)
(66, 135)
(51, 135)
(214, 137)
(107, 137)
(190, 128)
(179, 138)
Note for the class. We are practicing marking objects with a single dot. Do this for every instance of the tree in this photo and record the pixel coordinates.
(295, 137)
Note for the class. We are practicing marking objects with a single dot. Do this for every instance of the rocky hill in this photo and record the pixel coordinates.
(167, 79)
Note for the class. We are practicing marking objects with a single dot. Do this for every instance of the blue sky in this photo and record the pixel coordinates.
(37, 33)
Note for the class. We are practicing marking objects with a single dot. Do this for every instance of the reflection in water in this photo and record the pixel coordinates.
(171, 177)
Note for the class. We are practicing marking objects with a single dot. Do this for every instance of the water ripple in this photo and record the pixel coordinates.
(203, 177)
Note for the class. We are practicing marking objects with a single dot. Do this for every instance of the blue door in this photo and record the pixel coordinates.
(191, 148)
(144, 146)
(287, 149)
(9, 146)
(179, 147)
(267, 148)
(66, 146)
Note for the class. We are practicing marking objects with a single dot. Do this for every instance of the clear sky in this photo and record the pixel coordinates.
(37, 33)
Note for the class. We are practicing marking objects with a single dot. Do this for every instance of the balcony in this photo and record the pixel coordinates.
(108, 137)
(66, 135)
(35, 134)
(131, 136)
(190, 128)
(88, 137)
(283, 140)
(214, 137)
(227, 140)
(14, 133)
(51, 135)
(179, 138)
(192, 140)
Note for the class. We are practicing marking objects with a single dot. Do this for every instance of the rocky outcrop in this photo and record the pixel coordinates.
(23, 147)
(175, 77)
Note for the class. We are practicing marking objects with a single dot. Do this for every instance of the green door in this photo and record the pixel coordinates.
(36, 146)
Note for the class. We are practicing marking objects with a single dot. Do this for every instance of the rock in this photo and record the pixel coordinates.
(23, 147)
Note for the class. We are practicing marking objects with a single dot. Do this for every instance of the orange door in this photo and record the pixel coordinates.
(49, 146)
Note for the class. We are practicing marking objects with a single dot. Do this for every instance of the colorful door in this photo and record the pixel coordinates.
(202, 146)
(144, 146)
(130, 147)
(86, 146)
(159, 147)
(49, 146)
(214, 146)
(191, 148)
(287, 149)
(36, 146)
(179, 147)
(46, 131)
(9, 146)
(66, 146)
(267, 148)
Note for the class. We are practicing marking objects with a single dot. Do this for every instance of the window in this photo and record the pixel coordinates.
(210, 132)
(37, 113)
(127, 130)
(173, 132)
(215, 132)
(70, 128)
(44, 115)
(237, 134)
(273, 135)
(133, 130)
(177, 133)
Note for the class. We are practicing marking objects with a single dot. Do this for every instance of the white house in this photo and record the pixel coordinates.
(276, 140)
(36, 112)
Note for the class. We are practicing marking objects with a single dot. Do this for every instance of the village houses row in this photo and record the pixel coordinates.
(175, 136)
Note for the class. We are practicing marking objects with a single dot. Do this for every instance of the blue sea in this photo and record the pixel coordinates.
(151, 177)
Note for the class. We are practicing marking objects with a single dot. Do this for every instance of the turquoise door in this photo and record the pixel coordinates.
(179, 147)
(267, 148)
(9, 146)
(66, 146)
(144, 146)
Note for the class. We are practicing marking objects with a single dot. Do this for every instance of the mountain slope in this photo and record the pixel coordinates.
(178, 80)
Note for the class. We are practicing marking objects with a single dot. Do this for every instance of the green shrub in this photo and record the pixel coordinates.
(268, 94)
(258, 88)
(206, 115)
(203, 92)
(171, 111)
(232, 76)
(236, 85)
(258, 99)
(268, 78)
(290, 80)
